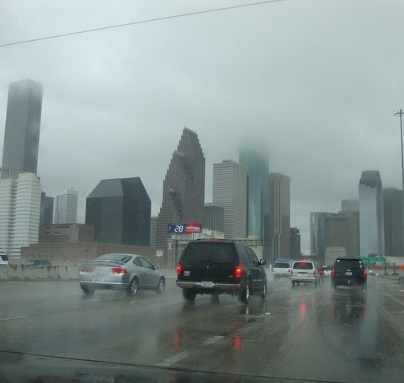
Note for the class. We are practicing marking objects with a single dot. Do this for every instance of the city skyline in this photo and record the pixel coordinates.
(115, 101)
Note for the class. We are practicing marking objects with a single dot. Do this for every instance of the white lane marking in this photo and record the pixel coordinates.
(12, 318)
(184, 354)
(173, 359)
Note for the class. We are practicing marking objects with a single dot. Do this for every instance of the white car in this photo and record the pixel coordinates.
(304, 271)
(4, 260)
(281, 269)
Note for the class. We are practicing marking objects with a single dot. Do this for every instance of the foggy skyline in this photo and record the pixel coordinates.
(316, 82)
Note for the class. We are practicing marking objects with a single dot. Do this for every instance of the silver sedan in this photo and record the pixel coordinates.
(128, 272)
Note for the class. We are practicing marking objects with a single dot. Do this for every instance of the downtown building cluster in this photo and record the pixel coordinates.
(249, 203)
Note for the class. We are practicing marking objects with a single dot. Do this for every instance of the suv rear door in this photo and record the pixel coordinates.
(207, 261)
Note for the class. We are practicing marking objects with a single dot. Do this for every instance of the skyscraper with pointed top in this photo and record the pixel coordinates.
(183, 188)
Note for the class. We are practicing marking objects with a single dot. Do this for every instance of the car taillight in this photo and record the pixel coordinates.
(365, 272)
(333, 271)
(314, 271)
(118, 270)
(179, 269)
(238, 271)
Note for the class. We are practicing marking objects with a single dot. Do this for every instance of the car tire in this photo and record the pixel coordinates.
(245, 293)
(264, 290)
(189, 294)
(87, 290)
(133, 287)
(161, 286)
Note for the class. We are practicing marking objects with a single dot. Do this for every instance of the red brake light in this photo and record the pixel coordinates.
(179, 269)
(365, 272)
(118, 270)
(333, 271)
(238, 272)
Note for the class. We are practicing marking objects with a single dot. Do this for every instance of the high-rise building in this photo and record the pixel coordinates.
(20, 200)
(230, 192)
(393, 222)
(214, 218)
(295, 243)
(66, 207)
(46, 216)
(318, 243)
(23, 121)
(257, 164)
(342, 231)
(120, 210)
(183, 188)
(279, 218)
(371, 217)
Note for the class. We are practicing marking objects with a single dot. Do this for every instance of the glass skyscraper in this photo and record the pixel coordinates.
(371, 216)
(257, 165)
(23, 121)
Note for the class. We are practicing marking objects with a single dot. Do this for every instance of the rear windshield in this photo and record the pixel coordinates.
(349, 263)
(209, 252)
(281, 265)
(303, 265)
(123, 258)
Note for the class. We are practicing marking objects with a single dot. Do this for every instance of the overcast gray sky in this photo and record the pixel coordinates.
(316, 81)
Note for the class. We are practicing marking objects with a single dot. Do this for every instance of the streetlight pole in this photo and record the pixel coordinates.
(400, 113)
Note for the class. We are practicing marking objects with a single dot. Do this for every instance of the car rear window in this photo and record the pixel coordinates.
(115, 258)
(281, 265)
(209, 252)
(349, 263)
(303, 265)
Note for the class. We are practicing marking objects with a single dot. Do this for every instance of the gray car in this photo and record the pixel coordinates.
(127, 272)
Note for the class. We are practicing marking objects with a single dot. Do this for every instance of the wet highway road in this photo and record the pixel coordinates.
(302, 333)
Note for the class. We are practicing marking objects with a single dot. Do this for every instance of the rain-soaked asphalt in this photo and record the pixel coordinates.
(301, 333)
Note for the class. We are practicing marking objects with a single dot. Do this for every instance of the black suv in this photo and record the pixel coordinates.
(221, 266)
(349, 271)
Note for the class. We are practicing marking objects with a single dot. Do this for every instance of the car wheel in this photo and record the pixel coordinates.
(189, 294)
(87, 290)
(264, 290)
(245, 293)
(133, 287)
(161, 286)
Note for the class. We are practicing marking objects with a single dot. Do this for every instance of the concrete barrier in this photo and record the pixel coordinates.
(23, 272)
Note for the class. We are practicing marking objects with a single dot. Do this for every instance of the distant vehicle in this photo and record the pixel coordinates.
(349, 271)
(327, 271)
(37, 262)
(281, 270)
(304, 271)
(127, 272)
(4, 260)
(221, 266)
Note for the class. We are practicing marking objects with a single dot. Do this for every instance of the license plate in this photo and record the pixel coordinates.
(207, 285)
(98, 279)
(348, 273)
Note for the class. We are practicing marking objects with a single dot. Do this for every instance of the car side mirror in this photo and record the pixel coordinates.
(262, 262)
(155, 267)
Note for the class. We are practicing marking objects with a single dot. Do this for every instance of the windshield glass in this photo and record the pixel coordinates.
(266, 133)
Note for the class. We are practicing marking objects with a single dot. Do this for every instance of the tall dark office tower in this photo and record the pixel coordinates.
(23, 121)
(183, 188)
(279, 218)
(120, 210)
(393, 222)
(256, 161)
